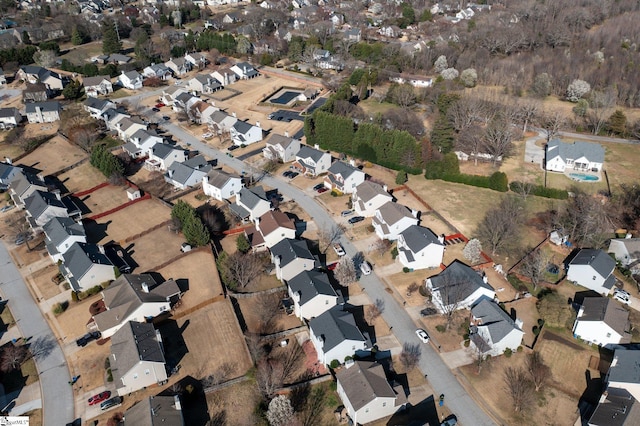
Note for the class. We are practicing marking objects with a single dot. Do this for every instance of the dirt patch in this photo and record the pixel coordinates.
(47, 157)
(199, 271)
(235, 404)
(256, 310)
(43, 280)
(89, 364)
(525, 309)
(133, 220)
(81, 178)
(155, 248)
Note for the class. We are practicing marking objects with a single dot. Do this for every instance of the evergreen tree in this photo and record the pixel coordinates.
(76, 37)
(25, 37)
(110, 39)
(73, 90)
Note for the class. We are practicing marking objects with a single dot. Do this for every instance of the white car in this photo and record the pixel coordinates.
(337, 247)
(365, 267)
(207, 135)
(422, 335)
(622, 296)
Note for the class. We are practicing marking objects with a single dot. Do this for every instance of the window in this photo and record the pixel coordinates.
(326, 302)
(353, 348)
(384, 404)
(608, 334)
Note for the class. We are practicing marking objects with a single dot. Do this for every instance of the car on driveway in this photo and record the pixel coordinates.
(337, 247)
(356, 219)
(23, 238)
(155, 109)
(287, 173)
(422, 335)
(7, 208)
(346, 213)
(165, 118)
(293, 174)
(332, 266)
(322, 190)
(110, 403)
(622, 296)
(233, 147)
(318, 186)
(365, 268)
(95, 399)
(160, 105)
(452, 421)
(87, 338)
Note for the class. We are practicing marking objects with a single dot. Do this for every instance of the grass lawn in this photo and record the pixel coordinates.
(79, 54)
(373, 107)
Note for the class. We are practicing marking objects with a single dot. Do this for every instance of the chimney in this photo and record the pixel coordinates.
(316, 146)
(233, 114)
(286, 134)
(441, 238)
(385, 188)
(7, 160)
(519, 323)
(257, 124)
(145, 287)
(101, 249)
(352, 162)
(485, 279)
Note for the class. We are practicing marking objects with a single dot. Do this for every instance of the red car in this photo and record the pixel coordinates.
(322, 190)
(159, 105)
(332, 266)
(102, 396)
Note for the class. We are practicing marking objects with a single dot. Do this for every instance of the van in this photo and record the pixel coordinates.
(365, 267)
(110, 403)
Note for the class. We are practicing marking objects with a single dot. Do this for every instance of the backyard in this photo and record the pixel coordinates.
(47, 157)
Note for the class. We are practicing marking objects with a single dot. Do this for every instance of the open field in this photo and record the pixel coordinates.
(48, 159)
(235, 404)
(147, 252)
(81, 54)
(253, 311)
(199, 269)
(81, 178)
(105, 198)
(133, 220)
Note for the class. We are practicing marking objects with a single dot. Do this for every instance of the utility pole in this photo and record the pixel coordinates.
(115, 23)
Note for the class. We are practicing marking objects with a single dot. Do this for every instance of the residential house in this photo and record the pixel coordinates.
(196, 59)
(291, 257)
(9, 118)
(187, 174)
(222, 121)
(184, 101)
(592, 269)
(128, 126)
(156, 410)
(43, 112)
(335, 336)
(458, 287)
(244, 71)
(37, 92)
(311, 161)
(343, 177)
(98, 85)
(251, 203)
(270, 228)
(131, 80)
(97, 107)
(580, 156)
(627, 252)
(603, 322)
(243, 133)
(308, 94)
(170, 94)
(353, 34)
(141, 140)
(204, 83)
(42, 206)
(231, 18)
(419, 248)
(368, 197)
(179, 66)
(224, 75)
(160, 71)
(35, 74)
(114, 58)
(134, 297)
(281, 148)
(3, 78)
(221, 185)
(624, 372)
(391, 219)
(492, 330)
(312, 294)
(137, 358)
(617, 406)
(366, 393)
(23, 185)
(113, 116)
(60, 234)
(86, 265)
(163, 155)
(201, 112)
(8, 172)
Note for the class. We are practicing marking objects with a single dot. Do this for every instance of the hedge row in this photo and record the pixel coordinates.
(540, 191)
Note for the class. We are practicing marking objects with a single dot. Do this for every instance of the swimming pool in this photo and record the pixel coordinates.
(584, 177)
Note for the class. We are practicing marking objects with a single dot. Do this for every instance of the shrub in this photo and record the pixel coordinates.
(541, 191)
(334, 364)
(441, 328)
(394, 253)
(334, 193)
(467, 343)
(401, 177)
(107, 363)
(406, 270)
(109, 375)
(74, 296)
(520, 348)
(57, 309)
(348, 358)
(508, 352)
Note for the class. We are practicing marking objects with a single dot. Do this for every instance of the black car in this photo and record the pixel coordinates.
(293, 174)
(165, 118)
(287, 173)
(110, 403)
(318, 186)
(84, 340)
(356, 219)
(234, 147)
(154, 109)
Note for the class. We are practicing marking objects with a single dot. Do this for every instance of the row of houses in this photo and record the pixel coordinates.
(36, 112)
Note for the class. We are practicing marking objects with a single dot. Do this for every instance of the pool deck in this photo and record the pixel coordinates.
(579, 176)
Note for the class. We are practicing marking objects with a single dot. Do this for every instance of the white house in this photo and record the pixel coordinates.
(335, 336)
(369, 197)
(391, 219)
(96, 107)
(492, 330)
(43, 112)
(616, 406)
(420, 248)
(163, 155)
(366, 393)
(179, 66)
(60, 234)
(196, 59)
(137, 358)
(251, 203)
(204, 83)
(243, 133)
(98, 85)
(141, 141)
(160, 409)
(291, 257)
(8, 172)
(458, 287)
(244, 71)
(603, 322)
(23, 185)
(626, 251)
(582, 156)
(170, 94)
(592, 269)
(221, 185)
(311, 161)
(128, 126)
(624, 372)
(131, 80)
(112, 117)
(222, 121)
(312, 294)
(43, 206)
(133, 297)
(188, 173)
(343, 177)
(9, 118)
(281, 148)
(224, 75)
(270, 228)
(160, 71)
(86, 265)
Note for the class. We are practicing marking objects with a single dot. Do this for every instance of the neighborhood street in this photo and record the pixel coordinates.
(439, 375)
(57, 395)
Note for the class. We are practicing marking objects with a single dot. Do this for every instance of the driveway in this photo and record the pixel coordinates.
(439, 375)
(57, 395)
(532, 152)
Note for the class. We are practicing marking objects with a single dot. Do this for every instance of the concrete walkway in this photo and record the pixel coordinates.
(458, 358)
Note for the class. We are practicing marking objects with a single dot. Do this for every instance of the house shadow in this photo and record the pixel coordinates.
(157, 276)
(81, 203)
(358, 315)
(53, 181)
(175, 348)
(95, 231)
(192, 399)
(121, 258)
(3, 327)
(591, 396)
(425, 412)
(239, 315)
(579, 296)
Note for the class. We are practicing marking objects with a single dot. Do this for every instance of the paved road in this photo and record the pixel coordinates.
(57, 395)
(439, 375)
(588, 136)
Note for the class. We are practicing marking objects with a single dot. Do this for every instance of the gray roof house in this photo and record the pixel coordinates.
(221, 185)
(9, 118)
(131, 80)
(96, 107)
(582, 156)
(137, 357)
(593, 269)
(86, 265)
(43, 206)
(627, 252)
(222, 121)
(251, 203)
(7, 173)
(281, 148)
(160, 71)
(187, 174)
(312, 294)
(616, 407)
(369, 197)
(311, 161)
(458, 287)
(156, 410)
(391, 219)
(60, 234)
(98, 85)
(243, 133)
(23, 185)
(134, 297)
(603, 322)
(179, 66)
(335, 335)
(163, 155)
(244, 71)
(292, 257)
(43, 112)
(493, 331)
(366, 393)
(420, 248)
(624, 372)
(343, 177)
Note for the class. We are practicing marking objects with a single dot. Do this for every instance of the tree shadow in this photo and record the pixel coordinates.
(591, 396)
(41, 347)
(193, 400)
(579, 296)
(175, 348)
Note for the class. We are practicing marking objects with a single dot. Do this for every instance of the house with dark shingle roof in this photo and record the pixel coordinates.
(420, 248)
(369, 197)
(335, 335)
(96, 107)
(281, 148)
(343, 177)
(9, 118)
(493, 330)
(593, 269)
(603, 322)
(179, 66)
(626, 251)
(624, 372)
(312, 294)
(291, 257)
(243, 133)
(244, 71)
(141, 141)
(160, 71)
(134, 297)
(311, 161)
(222, 121)
(163, 155)
(583, 156)
(458, 287)
(391, 219)
(204, 83)
(128, 126)
(156, 410)
(616, 407)
(42, 206)
(221, 185)
(275, 226)
(137, 357)
(43, 112)
(251, 203)
(98, 85)
(60, 234)
(131, 80)
(86, 265)
(188, 173)
(366, 393)
(7, 173)
(23, 185)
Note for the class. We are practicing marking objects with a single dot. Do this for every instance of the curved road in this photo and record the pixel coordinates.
(57, 395)
(439, 375)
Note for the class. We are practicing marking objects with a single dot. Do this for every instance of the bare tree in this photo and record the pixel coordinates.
(448, 291)
(523, 189)
(241, 269)
(403, 95)
(329, 235)
(269, 377)
(518, 387)
(551, 123)
(498, 140)
(538, 371)
(267, 309)
(410, 356)
(471, 141)
(586, 220)
(374, 311)
(345, 271)
(527, 112)
(601, 104)
(499, 228)
(12, 357)
(382, 246)
(290, 359)
(534, 266)
(412, 288)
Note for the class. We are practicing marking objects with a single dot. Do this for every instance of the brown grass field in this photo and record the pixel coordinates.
(199, 269)
(134, 219)
(81, 178)
(48, 159)
(146, 250)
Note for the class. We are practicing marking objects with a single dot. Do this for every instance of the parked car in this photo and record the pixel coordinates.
(207, 135)
(356, 219)
(287, 173)
(7, 208)
(165, 118)
(293, 174)
(332, 266)
(318, 186)
(23, 238)
(365, 268)
(622, 296)
(422, 335)
(160, 105)
(322, 190)
(110, 403)
(233, 147)
(95, 399)
(450, 422)
(337, 247)
(345, 213)
(87, 338)
(154, 109)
